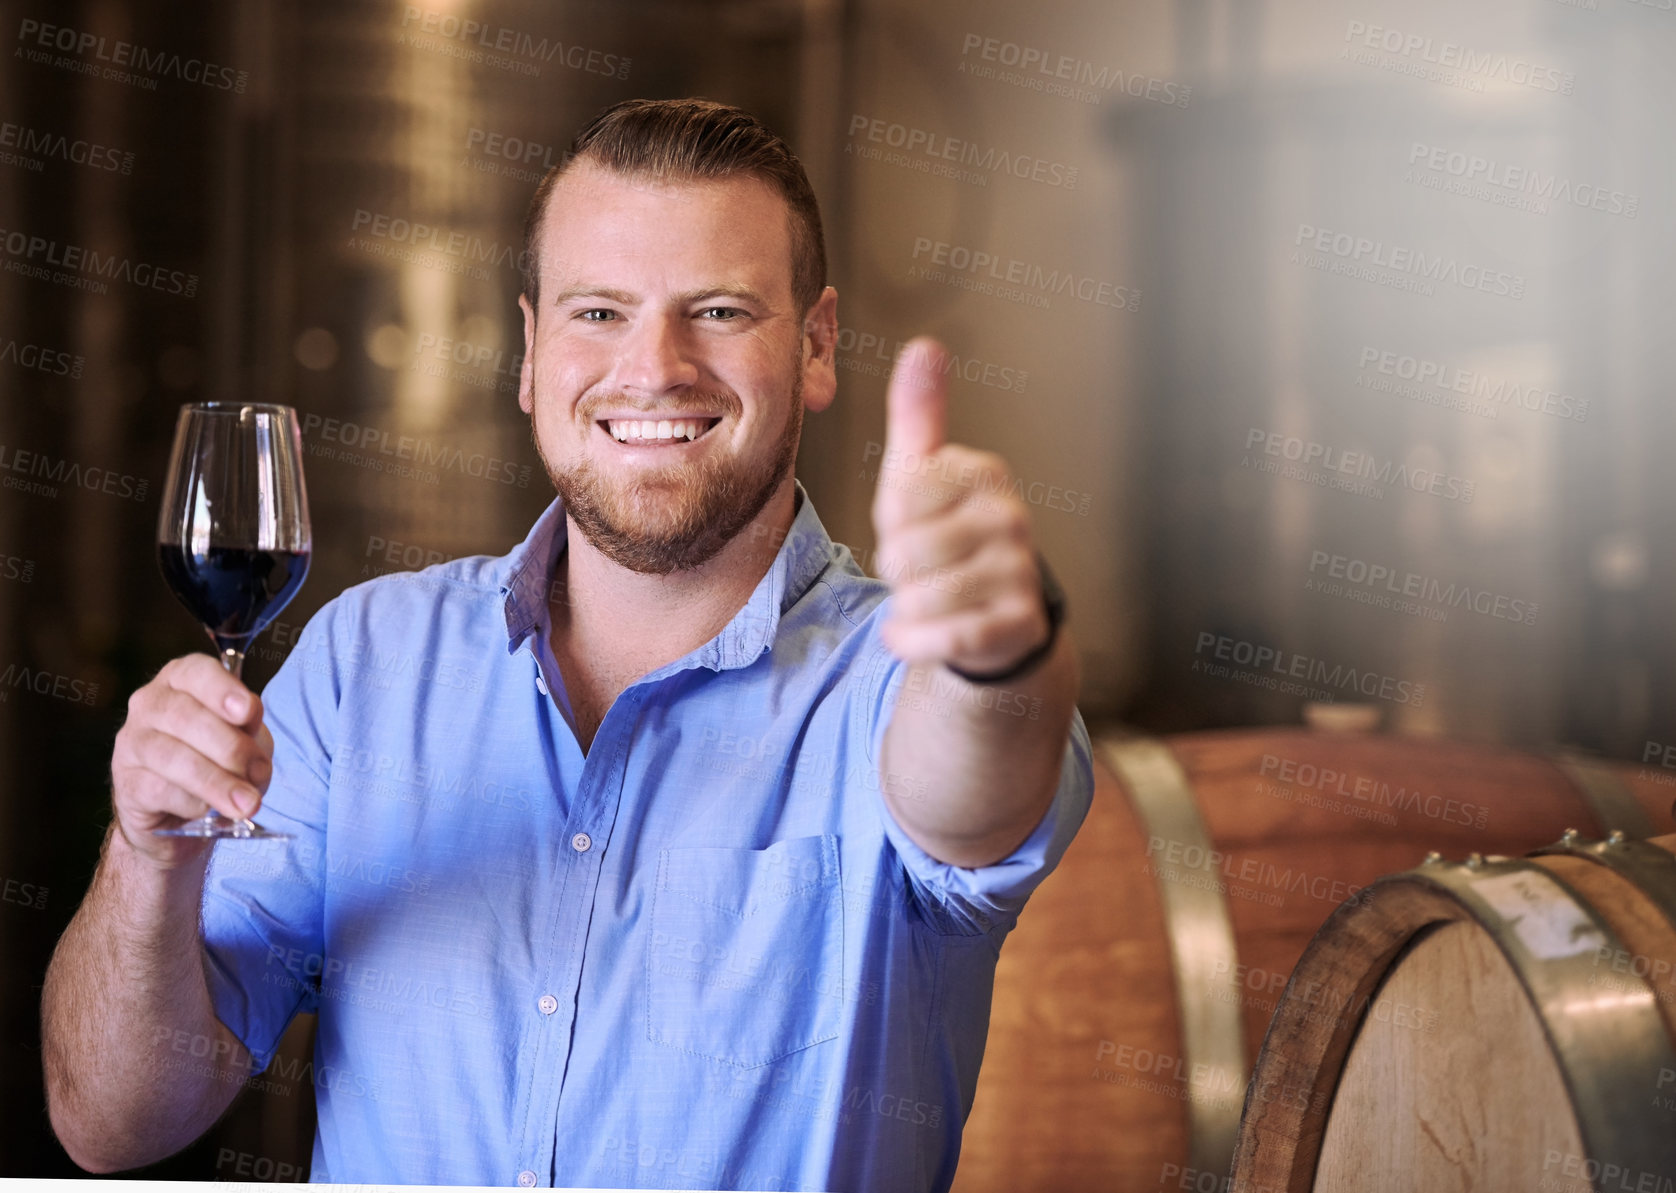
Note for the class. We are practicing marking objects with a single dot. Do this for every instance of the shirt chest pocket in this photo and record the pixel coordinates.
(745, 963)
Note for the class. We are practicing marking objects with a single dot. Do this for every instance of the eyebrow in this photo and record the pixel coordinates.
(685, 298)
(574, 292)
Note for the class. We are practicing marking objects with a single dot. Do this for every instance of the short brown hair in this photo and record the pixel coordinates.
(686, 139)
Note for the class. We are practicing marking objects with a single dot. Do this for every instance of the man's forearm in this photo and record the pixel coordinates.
(137, 1064)
(968, 770)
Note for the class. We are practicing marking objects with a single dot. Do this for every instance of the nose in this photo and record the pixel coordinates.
(655, 357)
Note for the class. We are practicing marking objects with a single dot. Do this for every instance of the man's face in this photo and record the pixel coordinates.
(668, 308)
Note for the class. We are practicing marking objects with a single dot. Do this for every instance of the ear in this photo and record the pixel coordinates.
(526, 371)
(820, 352)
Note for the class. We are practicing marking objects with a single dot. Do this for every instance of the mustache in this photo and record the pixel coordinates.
(715, 401)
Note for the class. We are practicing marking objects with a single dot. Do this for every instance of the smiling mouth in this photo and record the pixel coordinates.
(648, 431)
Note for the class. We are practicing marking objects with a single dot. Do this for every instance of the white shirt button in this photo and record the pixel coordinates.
(541, 683)
(548, 1004)
(580, 842)
(526, 1179)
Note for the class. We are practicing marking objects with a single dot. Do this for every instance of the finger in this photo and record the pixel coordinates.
(176, 762)
(916, 425)
(163, 803)
(917, 399)
(946, 539)
(994, 635)
(261, 772)
(999, 570)
(213, 686)
(231, 747)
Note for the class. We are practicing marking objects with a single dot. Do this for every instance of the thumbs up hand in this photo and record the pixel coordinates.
(953, 542)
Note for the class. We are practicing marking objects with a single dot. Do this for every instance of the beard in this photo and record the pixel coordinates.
(679, 516)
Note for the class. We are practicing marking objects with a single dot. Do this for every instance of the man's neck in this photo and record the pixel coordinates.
(619, 620)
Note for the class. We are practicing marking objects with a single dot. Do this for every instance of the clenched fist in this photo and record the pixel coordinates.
(954, 544)
(194, 740)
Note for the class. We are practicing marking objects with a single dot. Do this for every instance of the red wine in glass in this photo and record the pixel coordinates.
(233, 538)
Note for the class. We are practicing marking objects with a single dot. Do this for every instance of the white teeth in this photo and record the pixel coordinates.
(624, 429)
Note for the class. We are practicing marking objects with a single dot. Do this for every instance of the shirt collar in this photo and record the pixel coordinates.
(799, 559)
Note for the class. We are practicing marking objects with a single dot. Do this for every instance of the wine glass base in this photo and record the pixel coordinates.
(222, 829)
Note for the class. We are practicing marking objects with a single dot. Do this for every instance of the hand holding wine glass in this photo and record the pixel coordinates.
(193, 741)
(233, 543)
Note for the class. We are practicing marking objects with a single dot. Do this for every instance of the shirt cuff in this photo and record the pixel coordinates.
(983, 899)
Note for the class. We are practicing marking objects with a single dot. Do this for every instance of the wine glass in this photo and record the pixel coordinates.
(233, 538)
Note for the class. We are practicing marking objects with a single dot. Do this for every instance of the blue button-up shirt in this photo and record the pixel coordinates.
(701, 955)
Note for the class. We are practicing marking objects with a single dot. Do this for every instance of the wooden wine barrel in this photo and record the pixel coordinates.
(1551, 1064)
(1132, 995)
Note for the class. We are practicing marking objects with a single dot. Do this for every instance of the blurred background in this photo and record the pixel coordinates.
(1330, 341)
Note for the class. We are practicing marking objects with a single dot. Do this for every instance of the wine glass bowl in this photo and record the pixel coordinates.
(233, 538)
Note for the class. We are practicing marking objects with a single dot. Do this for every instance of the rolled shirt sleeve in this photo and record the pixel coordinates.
(263, 905)
(982, 899)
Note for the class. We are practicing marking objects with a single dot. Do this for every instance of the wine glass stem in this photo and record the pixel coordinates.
(232, 658)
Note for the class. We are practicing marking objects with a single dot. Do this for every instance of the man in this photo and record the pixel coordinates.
(663, 851)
